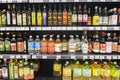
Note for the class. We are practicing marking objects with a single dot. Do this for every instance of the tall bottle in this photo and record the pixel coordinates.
(4, 19)
(64, 16)
(118, 48)
(31, 71)
(20, 43)
(102, 43)
(71, 44)
(50, 16)
(80, 16)
(64, 44)
(25, 42)
(51, 45)
(67, 71)
(2, 44)
(105, 16)
(44, 45)
(118, 11)
(100, 17)
(26, 69)
(24, 16)
(114, 17)
(108, 44)
(7, 43)
(77, 71)
(74, 16)
(90, 47)
(44, 16)
(69, 16)
(15, 68)
(13, 44)
(0, 18)
(21, 69)
(13, 15)
(5, 70)
(19, 17)
(39, 16)
(8, 15)
(29, 18)
(11, 69)
(30, 45)
(58, 45)
(96, 17)
(33, 16)
(114, 43)
(37, 44)
(85, 15)
(55, 14)
(77, 40)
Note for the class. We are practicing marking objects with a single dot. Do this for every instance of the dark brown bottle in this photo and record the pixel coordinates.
(114, 43)
(64, 16)
(13, 44)
(102, 43)
(7, 43)
(80, 16)
(50, 16)
(118, 48)
(118, 16)
(24, 17)
(14, 15)
(59, 17)
(29, 19)
(55, 16)
(109, 43)
(69, 16)
(85, 16)
(89, 22)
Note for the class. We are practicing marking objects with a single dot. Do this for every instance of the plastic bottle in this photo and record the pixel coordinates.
(77, 40)
(31, 44)
(37, 44)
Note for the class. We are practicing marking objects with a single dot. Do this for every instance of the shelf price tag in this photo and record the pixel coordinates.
(33, 56)
(58, 28)
(76, 0)
(97, 57)
(85, 57)
(38, 28)
(7, 28)
(19, 0)
(4, 1)
(58, 57)
(57, 0)
(24, 56)
(101, 57)
(18, 56)
(12, 56)
(9, 1)
(69, 28)
(74, 28)
(91, 57)
(51, 0)
(44, 28)
(89, 0)
(64, 1)
(33, 28)
(116, 28)
(44, 57)
(1, 56)
(104, 28)
(102, 0)
(91, 28)
(114, 57)
(98, 28)
(79, 28)
(118, 57)
(115, 0)
(40, 0)
(63, 28)
(12, 28)
(109, 57)
(72, 57)
(2, 29)
(48, 28)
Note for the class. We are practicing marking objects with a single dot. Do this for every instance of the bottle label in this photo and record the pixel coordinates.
(54, 18)
(114, 19)
(71, 47)
(96, 72)
(74, 18)
(0, 72)
(4, 72)
(116, 73)
(0, 20)
(39, 18)
(51, 47)
(37, 45)
(67, 72)
(69, 18)
(13, 46)
(16, 72)
(85, 18)
(21, 72)
(30, 45)
(20, 46)
(33, 18)
(31, 76)
(110, 20)
(79, 17)
(87, 72)
(77, 46)
(105, 73)
(44, 47)
(89, 20)
(19, 19)
(90, 48)
(60, 18)
(29, 20)
(85, 48)
(65, 18)
(25, 47)
(2, 46)
(105, 20)
(102, 47)
(95, 20)
(24, 19)
(100, 20)
(77, 72)
(44, 18)
(3, 19)
(119, 19)
(11, 71)
(118, 48)
(57, 67)
(8, 18)
(26, 73)
(96, 47)
(64, 46)
(7, 45)
(114, 46)
(58, 47)
(108, 47)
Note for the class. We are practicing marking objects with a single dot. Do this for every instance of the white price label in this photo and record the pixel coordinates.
(54, 28)
(34, 56)
(118, 57)
(31, 1)
(12, 28)
(19, 0)
(12, 56)
(91, 57)
(17, 28)
(58, 28)
(51, 0)
(1, 56)
(69, 28)
(116, 28)
(9, 1)
(44, 57)
(57, 0)
(26, 28)
(108, 57)
(7, 28)
(58, 57)
(64, 1)
(115, 0)
(22, 28)
(101, 57)
(63, 28)
(90, 28)
(76, 0)
(104, 28)
(72, 57)
(40, 0)
(18, 56)
(85, 57)
(97, 57)
(48, 28)
(33, 28)
(38, 28)
(2, 29)
(4, 1)
(89, 0)
(74, 28)
(79, 28)
(114, 57)
(102, 0)
(98, 28)
(44, 28)
(24, 56)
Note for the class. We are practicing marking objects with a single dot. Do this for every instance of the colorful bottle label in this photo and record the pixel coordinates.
(105, 20)
(37, 45)
(80, 18)
(105, 73)
(44, 47)
(95, 20)
(102, 48)
(71, 47)
(114, 46)
(69, 18)
(58, 47)
(85, 48)
(65, 18)
(13, 46)
(39, 18)
(64, 47)
(57, 67)
(50, 18)
(67, 72)
(77, 46)
(100, 20)
(85, 18)
(96, 72)
(8, 18)
(74, 18)
(24, 19)
(44, 18)
(20, 46)
(7, 45)
(19, 19)
(31, 45)
(54, 18)
(16, 72)
(108, 47)
(33, 18)
(2, 46)
(87, 72)
(118, 48)
(4, 72)
(21, 71)
(51, 47)
(77, 72)
(4, 19)
(96, 46)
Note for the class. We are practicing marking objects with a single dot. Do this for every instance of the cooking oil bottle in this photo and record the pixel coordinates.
(58, 45)
(67, 71)
(64, 44)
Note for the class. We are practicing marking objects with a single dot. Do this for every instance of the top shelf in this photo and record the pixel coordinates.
(52, 1)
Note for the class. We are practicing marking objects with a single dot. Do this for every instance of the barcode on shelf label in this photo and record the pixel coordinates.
(102, 0)
(58, 28)
(18, 56)
(85, 57)
(38, 28)
(2, 29)
(24, 56)
(72, 57)
(58, 57)
(108, 57)
(12, 56)
(19, 0)
(91, 57)
(63, 28)
(1, 56)
(4, 1)
(51, 0)
(114, 57)
(104, 28)
(101, 57)
(44, 28)
(89, 0)
(34, 56)
(48, 28)
(91, 28)
(63, 0)
(118, 57)
(44, 57)
(98, 28)
(97, 57)
(7, 28)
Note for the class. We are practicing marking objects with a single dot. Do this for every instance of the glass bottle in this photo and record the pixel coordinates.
(55, 14)
(0, 18)
(24, 16)
(39, 16)
(44, 16)
(118, 11)
(90, 46)
(37, 45)
(5, 70)
(118, 48)
(105, 16)
(7, 43)
(30, 45)
(58, 45)
(108, 44)
(11, 69)
(74, 16)
(21, 69)
(26, 70)
(85, 15)
(15, 68)
(100, 17)
(29, 18)
(64, 16)
(13, 15)
(8, 15)
(13, 44)
(114, 16)
(59, 17)
(31, 71)
(69, 16)
(89, 17)
(33, 16)
(114, 43)
(19, 17)
(4, 19)
(80, 16)
(96, 17)
(50, 16)
(102, 43)
(64, 44)
(2, 46)
(77, 40)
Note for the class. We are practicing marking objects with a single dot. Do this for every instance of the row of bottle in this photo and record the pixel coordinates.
(15, 69)
(77, 15)
(87, 71)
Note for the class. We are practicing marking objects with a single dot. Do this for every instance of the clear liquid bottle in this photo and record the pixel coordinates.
(67, 71)
(19, 17)
(58, 45)
(5, 70)
(37, 44)
(77, 40)
(71, 44)
(30, 45)
(8, 15)
(44, 16)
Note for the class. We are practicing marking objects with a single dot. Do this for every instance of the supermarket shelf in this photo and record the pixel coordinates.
(51, 1)
(14, 1)
(13, 56)
(14, 28)
(67, 28)
(75, 56)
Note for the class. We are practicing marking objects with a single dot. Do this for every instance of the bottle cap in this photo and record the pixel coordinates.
(58, 36)
(105, 62)
(77, 36)
(77, 62)
(115, 62)
(37, 36)
(71, 36)
(30, 36)
(67, 62)
(64, 35)
(86, 62)
(108, 34)
(95, 62)
(114, 9)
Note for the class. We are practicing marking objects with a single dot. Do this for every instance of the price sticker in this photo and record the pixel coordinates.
(33, 56)
(89, 0)
(38, 28)
(63, 28)
(24, 56)
(74, 28)
(1, 56)
(72, 57)
(9, 1)
(57, 0)
(17, 28)
(102, 0)
(51, 0)
(91, 28)
(44, 57)
(76, 0)
(85, 57)
(44, 28)
(97, 57)
(64, 1)
(18, 56)
(22, 28)
(79, 28)
(114, 57)
(58, 28)
(7, 28)
(115, 0)
(48, 28)
(12, 56)
(118, 57)
(104, 28)
(33, 28)
(40, 0)
(2, 29)
(109, 57)
(116, 28)
(101, 57)
(58, 57)
(4, 1)
(12, 28)
(91, 57)
(26, 28)
(98, 28)
(31, 1)
(19, 0)
(69, 28)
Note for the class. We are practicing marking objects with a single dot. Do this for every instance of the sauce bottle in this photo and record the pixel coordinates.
(58, 45)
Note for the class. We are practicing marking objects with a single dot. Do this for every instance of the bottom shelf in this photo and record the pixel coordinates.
(48, 78)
